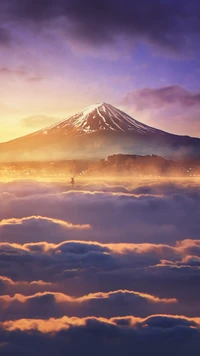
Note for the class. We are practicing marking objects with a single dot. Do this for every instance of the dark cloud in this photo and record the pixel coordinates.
(165, 23)
(149, 98)
(156, 334)
(34, 229)
(10, 287)
(169, 188)
(79, 268)
(116, 303)
(8, 71)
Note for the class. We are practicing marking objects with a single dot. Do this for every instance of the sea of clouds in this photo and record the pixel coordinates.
(105, 268)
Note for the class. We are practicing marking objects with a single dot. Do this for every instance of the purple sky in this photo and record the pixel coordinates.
(56, 57)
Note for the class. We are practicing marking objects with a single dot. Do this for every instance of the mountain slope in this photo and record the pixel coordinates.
(96, 132)
(101, 117)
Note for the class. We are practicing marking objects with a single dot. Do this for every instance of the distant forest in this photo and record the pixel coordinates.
(150, 165)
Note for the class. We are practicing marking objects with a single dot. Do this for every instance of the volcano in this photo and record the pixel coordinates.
(100, 117)
(96, 132)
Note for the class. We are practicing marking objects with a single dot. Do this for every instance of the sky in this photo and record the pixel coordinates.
(58, 57)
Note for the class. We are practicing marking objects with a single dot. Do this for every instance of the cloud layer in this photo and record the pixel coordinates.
(108, 264)
(166, 24)
(101, 336)
(110, 213)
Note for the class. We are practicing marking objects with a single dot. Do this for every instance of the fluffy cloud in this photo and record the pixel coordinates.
(136, 271)
(109, 264)
(116, 303)
(160, 97)
(157, 333)
(167, 106)
(37, 228)
(115, 213)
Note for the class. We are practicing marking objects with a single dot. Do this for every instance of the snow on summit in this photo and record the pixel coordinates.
(100, 117)
(98, 131)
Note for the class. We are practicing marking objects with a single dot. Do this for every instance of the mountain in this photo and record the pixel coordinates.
(96, 132)
(100, 117)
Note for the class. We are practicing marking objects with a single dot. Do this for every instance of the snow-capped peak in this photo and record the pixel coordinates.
(90, 108)
(98, 117)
